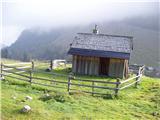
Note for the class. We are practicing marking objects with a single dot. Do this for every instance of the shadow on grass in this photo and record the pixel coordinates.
(16, 83)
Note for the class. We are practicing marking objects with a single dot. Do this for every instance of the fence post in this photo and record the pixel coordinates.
(117, 87)
(2, 71)
(138, 77)
(51, 64)
(30, 77)
(142, 69)
(69, 82)
(32, 64)
(65, 64)
(92, 88)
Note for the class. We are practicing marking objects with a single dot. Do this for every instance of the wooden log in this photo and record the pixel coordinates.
(32, 65)
(124, 69)
(51, 64)
(30, 77)
(138, 76)
(124, 81)
(16, 73)
(92, 88)
(23, 67)
(90, 65)
(94, 66)
(1, 70)
(98, 81)
(82, 65)
(101, 87)
(86, 65)
(136, 83)
(117, 88)
(73, 60)
(69, 83)
(116, 70)
(128, 85)
(121, 70)
(121, 67)
(77, 63)
(2, 76)
(97, 66)
(74, 63)
(8, 69)
(127, 69)
(20, 72)
(111, 68)
(14, 68)
(142, 69)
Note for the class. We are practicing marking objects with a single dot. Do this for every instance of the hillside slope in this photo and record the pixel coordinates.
(142, 103)
(36, 43)
(52, 103)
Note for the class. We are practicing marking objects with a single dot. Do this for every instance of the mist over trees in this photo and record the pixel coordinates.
(37, 43)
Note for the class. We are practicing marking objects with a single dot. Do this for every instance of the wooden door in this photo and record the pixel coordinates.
(104, 66)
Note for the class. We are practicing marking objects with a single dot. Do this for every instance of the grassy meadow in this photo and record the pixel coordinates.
(142, 103)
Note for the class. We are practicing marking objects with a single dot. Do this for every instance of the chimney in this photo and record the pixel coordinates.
(95, 30)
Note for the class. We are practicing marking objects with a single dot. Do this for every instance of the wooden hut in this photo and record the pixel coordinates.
(101, 54)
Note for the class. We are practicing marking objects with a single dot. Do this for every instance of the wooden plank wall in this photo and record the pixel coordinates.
(126, 69)
(79, 64)
(96, 66)
(74, 63)
(85, 65)
(116, 67)
(90, 66)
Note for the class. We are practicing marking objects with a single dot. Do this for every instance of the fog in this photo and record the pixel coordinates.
(17, 16)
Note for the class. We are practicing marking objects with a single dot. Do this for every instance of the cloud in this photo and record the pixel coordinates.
(10, 34)
(31, 13)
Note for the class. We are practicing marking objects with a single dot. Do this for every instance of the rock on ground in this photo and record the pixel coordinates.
(26, 109)
(28, 98)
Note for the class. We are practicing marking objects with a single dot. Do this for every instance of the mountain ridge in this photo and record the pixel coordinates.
(54, 43)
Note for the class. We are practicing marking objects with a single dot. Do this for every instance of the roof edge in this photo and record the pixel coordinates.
(131, 37)
(98, 53)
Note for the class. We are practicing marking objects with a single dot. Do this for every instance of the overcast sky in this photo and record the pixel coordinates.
(19, 15)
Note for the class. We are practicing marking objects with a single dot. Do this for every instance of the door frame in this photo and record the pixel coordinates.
(104, 66)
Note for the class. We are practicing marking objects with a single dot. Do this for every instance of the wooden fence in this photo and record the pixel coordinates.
(69, 80)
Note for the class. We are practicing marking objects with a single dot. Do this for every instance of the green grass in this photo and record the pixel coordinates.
(8, 61)
(131, 104)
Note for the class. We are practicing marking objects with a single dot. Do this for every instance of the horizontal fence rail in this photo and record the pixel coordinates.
(68, 81)
(78, 79)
